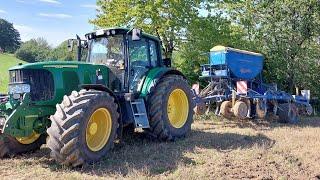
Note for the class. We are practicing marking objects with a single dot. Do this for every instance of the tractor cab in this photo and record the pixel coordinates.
(128, 53)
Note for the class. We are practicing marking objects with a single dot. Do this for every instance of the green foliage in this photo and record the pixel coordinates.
(9, 37)
(203, 34)
(287, 33)
(165, 18)
(34, 50)
(62, 53)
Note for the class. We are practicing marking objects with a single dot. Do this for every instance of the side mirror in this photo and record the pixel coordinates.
(167, 62)
(85, 44)
(70, 45)
(136, 34)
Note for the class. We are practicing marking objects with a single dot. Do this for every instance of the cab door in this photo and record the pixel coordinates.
(143, 56)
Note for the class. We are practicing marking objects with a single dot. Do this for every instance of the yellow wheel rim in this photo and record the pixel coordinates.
(178, 108)
(28, 140)
(98, 129)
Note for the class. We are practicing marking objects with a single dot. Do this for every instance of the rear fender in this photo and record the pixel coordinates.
(99, 87)
(154, 75)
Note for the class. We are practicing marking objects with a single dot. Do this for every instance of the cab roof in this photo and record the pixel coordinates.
(122, 30)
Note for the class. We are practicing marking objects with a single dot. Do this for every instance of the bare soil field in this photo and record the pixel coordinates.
(215, 149)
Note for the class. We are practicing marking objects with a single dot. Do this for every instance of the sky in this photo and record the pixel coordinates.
(54, 20)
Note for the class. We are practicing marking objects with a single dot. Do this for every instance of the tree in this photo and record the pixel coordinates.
(9, 36)
(286, 31)
(62, 53)
(34, 50)
(203, 34)
(165, 18)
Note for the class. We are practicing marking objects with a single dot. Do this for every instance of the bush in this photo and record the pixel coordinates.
(61, 53)
(34, 50)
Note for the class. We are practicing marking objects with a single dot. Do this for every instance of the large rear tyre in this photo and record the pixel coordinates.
(225, 109)
(170, 108)
(84, 127)
(10, 146)
(288, 113)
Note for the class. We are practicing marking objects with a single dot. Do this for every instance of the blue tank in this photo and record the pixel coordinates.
(242, 64)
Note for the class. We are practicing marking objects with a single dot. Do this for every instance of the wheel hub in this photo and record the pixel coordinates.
(178, 108)
(98, 129)
(93, 128)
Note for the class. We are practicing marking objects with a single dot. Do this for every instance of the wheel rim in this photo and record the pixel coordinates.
(29, 139)
(98, 129)
(178, 108)
(225, 109)
(241, 110)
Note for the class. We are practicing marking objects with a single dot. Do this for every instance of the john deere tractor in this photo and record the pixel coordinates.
(83, 107)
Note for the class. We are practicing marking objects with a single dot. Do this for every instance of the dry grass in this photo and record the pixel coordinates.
(214, 150)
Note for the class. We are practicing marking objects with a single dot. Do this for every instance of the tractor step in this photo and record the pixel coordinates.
(139, 114)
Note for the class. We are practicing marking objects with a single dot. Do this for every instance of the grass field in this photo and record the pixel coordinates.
(213, 150)
(6, 61)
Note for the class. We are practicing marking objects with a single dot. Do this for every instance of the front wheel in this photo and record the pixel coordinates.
(170, 108)
(10, 146)
(84, 127)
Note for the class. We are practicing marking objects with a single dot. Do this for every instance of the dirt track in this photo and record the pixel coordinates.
(214, 150)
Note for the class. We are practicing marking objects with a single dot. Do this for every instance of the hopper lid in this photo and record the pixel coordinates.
(223, 48)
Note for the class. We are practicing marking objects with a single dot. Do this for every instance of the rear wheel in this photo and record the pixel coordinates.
(225, 109)
(170, 108)
(84, 127)
(10, 146)
(288, 113)
(240, 110)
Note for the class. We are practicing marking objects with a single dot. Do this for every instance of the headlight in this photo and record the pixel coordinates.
(19, 88)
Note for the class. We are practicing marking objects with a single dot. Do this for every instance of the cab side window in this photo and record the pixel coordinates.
(139, 52)
(153, 53)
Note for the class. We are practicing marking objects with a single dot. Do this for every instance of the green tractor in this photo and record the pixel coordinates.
(81, 108)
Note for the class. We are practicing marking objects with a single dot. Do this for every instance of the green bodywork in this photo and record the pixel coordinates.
(25, 116)
(153, 76)
(64, 74)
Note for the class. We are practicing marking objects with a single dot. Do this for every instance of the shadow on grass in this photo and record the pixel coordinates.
(309, 122)
(259, 124)
(140, 154)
